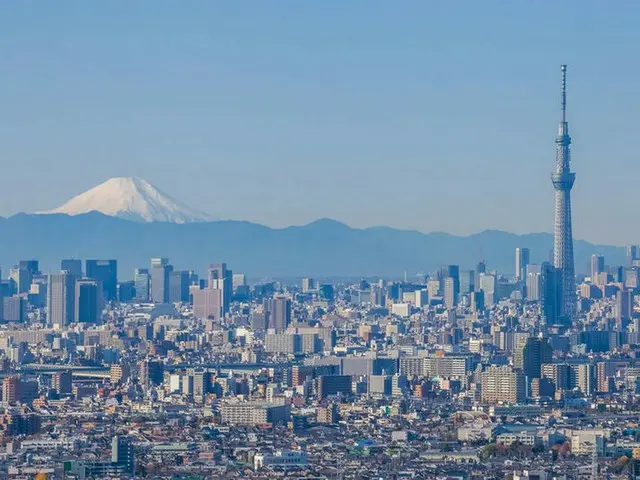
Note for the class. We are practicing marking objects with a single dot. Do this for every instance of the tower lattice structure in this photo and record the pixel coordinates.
(563, 180)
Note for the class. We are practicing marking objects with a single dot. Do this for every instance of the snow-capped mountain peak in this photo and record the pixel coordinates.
(134, 199)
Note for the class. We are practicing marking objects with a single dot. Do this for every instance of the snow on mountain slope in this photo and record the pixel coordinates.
(131, 199)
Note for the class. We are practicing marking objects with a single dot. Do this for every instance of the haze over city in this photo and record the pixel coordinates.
(418, 116)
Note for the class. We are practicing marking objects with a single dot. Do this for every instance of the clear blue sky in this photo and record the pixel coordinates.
(413, 114)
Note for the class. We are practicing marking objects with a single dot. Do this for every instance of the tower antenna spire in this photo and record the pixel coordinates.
(563, 69)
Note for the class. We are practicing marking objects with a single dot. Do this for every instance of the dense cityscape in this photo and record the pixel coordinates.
(456, 374)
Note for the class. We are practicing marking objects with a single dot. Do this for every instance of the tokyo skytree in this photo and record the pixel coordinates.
(563, 180)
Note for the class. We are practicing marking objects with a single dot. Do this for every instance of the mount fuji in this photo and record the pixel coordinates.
(134, 199)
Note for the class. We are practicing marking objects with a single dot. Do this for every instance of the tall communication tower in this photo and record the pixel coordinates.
(563, 180)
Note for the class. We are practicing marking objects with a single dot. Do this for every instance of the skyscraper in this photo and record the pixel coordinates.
(450, 297)
(60, 299)
(142, 281)
(522, 260)
(160, 271)
(534, 353)
(551, 291)
(563, 180)
(31, 265)
(624, 307)
(453, 271)
(278, 312)
(632, 254)
(221, 278)
(105, 272)
(87, 302)
(179, 286)
(73, 266)
(21, 279)
(533, 283)
(597, 266)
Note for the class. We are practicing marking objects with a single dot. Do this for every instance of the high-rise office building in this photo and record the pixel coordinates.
(87, 305)
(563, 180)
(105, 272)
(13, 308)
(126, 291)
(533, 283)
(477, 301)
(31, 265)
(60, 299)
(207, 303)
(453, 271)
(488, 284)
(179, 286)
(20, 278)
(551, 291)
(467, 281)
(481, 267)
(624, 307)
(278, 313)
(239, 280)
(160, 272)
(530, 356)
(450, 297)
(632, 254)
(308, 285)
(522, 260)
(73, 266)
(142, 282)
(597, 266)
(222, 278)
(122, 453)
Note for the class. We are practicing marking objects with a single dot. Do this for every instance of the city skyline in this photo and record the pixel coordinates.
(325, 140)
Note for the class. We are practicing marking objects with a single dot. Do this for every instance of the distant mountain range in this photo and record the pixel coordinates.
(322, 248)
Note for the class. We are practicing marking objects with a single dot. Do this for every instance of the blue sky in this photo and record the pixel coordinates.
(413, 114)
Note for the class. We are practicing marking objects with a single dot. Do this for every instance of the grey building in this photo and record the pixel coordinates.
(60, 299)
(221, 278)
(597, 266)
(522, 260)
(160, 272)
(179, 286)
(207, 303)
(13, 309)
(278, 313)
(283, 343)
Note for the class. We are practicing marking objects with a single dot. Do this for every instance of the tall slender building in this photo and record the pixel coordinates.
(522, 260)
(563, 180)
(60, 299)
